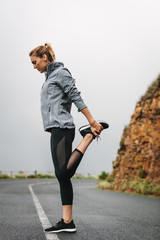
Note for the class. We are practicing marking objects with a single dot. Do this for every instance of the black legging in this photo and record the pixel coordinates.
(65, 161)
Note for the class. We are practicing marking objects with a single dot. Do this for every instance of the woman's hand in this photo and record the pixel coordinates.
(96, 128)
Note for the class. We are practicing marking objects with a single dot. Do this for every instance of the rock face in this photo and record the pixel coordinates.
(139, 152)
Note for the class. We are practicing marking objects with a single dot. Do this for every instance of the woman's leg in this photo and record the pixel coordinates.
(72, 164)
(66, 163)
(61, 149)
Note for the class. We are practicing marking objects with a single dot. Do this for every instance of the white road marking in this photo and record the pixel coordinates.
(42, 216)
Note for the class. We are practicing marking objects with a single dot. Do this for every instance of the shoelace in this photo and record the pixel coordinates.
(60, 222)
(98, 138)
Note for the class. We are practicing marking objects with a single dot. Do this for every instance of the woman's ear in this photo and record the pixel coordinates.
(45, 58)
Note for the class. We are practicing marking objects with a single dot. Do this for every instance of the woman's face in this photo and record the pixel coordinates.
(40, 63)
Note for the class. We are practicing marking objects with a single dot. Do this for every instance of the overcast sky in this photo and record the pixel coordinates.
(112, 49)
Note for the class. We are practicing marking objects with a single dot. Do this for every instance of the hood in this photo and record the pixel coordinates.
(53, 66)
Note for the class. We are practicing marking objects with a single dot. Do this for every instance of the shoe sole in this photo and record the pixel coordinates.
(88, 126)
(63, 230)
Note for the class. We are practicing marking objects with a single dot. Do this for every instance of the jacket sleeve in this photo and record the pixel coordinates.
(67, 83)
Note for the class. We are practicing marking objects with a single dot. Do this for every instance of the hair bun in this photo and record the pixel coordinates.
(49, 47)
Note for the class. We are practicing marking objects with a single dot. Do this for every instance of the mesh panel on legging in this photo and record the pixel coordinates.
(61, 153)
(74, 161)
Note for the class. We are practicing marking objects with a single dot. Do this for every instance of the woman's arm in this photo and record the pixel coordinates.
(67, 83)
(96, 127)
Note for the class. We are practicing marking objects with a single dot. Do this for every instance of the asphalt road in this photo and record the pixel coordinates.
(98, 215)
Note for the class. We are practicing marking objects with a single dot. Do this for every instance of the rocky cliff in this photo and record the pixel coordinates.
(139, 152)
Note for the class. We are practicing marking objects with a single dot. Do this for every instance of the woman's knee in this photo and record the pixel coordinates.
(63, 175)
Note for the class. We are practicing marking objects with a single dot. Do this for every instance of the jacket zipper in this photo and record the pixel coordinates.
(49, 109)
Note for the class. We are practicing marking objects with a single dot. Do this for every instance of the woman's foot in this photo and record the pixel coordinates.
(61, 226)
(87, 130)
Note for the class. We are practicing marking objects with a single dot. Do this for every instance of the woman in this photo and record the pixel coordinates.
(57, 94)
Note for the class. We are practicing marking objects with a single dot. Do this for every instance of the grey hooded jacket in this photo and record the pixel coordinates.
(57, 94)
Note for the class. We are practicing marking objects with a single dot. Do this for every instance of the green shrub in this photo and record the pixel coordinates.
(20, 176)
(31, 176)
(142, 173)
(122, 145)
(4, 176)
(103, 176)
(156, 189)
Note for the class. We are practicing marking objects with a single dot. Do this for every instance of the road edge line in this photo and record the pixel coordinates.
(41, 214)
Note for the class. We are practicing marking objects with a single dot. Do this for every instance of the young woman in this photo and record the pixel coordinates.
(57, 94)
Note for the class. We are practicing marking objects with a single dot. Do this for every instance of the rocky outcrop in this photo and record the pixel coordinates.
(139, 152)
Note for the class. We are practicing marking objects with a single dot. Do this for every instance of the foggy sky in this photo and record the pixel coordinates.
(112, 49)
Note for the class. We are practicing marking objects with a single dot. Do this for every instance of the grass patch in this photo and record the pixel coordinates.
(104, 185)
(80, 176)
(40, 175)
(138, 186)
(152, 89)
(23, 176)
(17, 176)
(36, 175)
(4, 176)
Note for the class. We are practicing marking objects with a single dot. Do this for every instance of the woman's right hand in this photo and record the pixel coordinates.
(96, 128)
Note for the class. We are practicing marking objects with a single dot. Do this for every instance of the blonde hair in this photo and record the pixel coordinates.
(41, 50)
